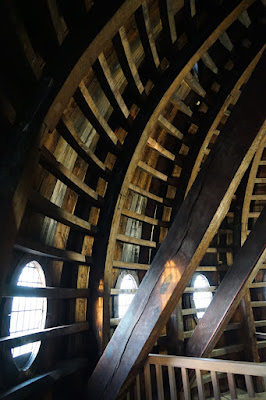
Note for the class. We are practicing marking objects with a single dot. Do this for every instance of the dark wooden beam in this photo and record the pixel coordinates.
(19, 339)
(34, 385)
(49, 292)
(230, 292)
(185, 243)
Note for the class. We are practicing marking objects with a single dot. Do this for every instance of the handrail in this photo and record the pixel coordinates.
(207, 364)
(191, 369)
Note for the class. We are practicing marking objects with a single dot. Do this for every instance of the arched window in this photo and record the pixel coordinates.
(28, 314)
(201, 298)
(124, 300)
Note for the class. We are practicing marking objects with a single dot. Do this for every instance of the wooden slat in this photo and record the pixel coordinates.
(209, 63)
(145, 218)
(146, 37)
(145, 193)
(152, 171)
(39, 249)
(226, 42)
(49, 209)
(200, 385)
(227, 350)
(172, 383)
(137, 241)
(49, 292)
(244, 18)
(125, 265)
(109, 87)
(127, 63)
(194, 84)
(260, 323)
(160, 149)
(159, 381)
(116, 292)
(90, 110)
(147, 375)
(165, 124)
(215, 385)
(19, 339)
(81, 149)
(186, 384)
(258, 304)
(249, 386)
(168, 23)
(181, 105)
(137, 387)
(49, 162)
(232, 386)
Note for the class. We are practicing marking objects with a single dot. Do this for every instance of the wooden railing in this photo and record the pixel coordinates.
(167, 376)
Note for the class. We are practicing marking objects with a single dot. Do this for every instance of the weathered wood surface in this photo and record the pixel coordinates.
(185, 244)
(230, 292)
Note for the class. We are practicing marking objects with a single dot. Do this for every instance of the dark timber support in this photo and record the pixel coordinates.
(230, 292)
(185, 244)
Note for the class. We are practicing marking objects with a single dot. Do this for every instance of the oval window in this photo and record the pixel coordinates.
(201, 298)
(28, 314)
(124, 299)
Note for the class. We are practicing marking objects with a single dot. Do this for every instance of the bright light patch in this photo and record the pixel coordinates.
(28, 314)
(124, 300)
(201, 299)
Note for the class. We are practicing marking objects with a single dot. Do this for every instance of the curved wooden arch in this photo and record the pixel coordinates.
(148, 127)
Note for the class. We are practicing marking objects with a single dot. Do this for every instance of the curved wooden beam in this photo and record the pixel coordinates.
(185, 243)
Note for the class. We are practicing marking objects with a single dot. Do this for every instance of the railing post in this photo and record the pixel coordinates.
(186, 384)
(159, 378)
(232, 386)
(147, 377)
(215, 385)
(249, 386)
(200, 385)
(172, 382)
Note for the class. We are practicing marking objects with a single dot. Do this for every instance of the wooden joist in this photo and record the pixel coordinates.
(171, 129)
(125, 57)
(111, 90)
(146, 36)
(209, 63)
(49, 292)
(125, 265)
(160, 149)
(181, 105)
(82, 150)
(92, 113)
(168, 23)
(145, 193)
(244, 18)
(194, 84)
(137, 241)
(49, 162)
(230, 292)
(152, 171)
(185, 243)
(47, 208)
(226, 42)
(44, 250)
(19, 339)
(145, 218)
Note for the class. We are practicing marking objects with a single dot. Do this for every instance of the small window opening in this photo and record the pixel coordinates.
(28, 314)
(202, 298)
(124, 300)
